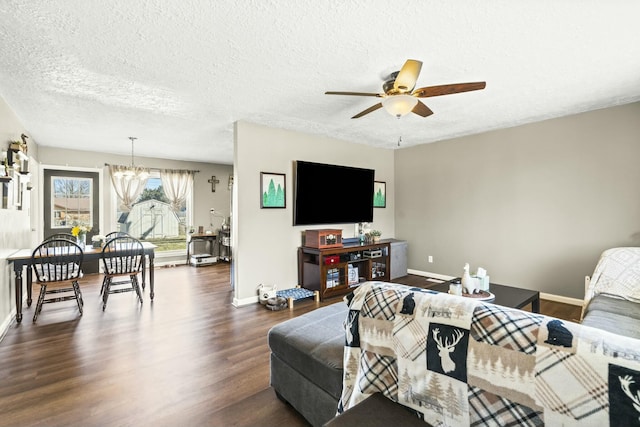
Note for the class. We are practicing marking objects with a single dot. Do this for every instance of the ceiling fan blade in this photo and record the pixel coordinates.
(425, 92)
(353, 93)
(368, 110)
(422, 110)
(407, 77)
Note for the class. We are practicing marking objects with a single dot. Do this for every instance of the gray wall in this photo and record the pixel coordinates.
(204, 198)
(265, 240)
(535, 205)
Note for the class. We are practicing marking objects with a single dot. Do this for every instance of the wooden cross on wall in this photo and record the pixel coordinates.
(213, 181)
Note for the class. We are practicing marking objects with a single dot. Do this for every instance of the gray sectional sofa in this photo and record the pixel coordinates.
(306, 361)
(307, 352)
(615, 315)
(612, 293)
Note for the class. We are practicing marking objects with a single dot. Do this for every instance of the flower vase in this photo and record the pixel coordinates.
(81, 239)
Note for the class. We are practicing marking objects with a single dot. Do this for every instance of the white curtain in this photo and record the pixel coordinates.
(176, 185)
(127, 189)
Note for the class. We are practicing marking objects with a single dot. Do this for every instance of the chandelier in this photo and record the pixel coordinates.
(133, 172)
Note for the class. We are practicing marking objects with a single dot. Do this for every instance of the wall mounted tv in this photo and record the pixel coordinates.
(331, 194)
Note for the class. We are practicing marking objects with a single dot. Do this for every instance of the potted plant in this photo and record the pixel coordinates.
(375, 235)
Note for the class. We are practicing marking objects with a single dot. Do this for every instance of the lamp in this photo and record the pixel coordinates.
(212, 214)
(133, 171)
(399, 105)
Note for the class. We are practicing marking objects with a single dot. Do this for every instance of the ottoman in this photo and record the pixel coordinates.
(306, 361)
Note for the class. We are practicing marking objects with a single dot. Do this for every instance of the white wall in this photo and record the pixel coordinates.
(265, 241)
(535, 204)
(15, 225)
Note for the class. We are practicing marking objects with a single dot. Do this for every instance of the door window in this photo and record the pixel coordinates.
(72, 201)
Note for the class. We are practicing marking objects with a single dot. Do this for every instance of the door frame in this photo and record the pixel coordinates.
(101, 203)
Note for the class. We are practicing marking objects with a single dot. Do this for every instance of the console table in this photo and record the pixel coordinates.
(204, 237)
(336, 271)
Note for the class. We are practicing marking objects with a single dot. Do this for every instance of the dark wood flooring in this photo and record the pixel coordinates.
(186, 359)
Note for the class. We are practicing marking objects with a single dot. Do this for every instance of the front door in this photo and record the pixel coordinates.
(71, 198)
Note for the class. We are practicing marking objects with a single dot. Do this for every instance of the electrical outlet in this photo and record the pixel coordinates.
(430, 258)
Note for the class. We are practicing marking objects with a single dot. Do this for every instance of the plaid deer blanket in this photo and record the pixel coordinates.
(461, 362)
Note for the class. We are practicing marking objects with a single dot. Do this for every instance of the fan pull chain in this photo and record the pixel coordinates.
(399, 140)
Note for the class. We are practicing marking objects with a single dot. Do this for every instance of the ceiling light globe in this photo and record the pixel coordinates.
(399, 105)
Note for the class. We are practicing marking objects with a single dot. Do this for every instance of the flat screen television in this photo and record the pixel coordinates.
(331, 194)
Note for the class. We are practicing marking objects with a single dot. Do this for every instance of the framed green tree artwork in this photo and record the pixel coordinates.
(272, 190)
(379, 194)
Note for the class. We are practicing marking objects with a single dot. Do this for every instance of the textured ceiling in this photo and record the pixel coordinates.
(176, 74)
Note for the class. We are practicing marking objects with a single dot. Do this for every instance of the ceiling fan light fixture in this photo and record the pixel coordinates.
(399, 97)
(399, 105)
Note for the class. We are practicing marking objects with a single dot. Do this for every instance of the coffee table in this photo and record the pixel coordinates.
(507, 296)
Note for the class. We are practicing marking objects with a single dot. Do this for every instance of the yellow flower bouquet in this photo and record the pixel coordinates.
(80, 229)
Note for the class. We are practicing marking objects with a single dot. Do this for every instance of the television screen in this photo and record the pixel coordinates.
(331, 194)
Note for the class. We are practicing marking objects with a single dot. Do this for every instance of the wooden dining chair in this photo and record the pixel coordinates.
(65, 236)
(108, 237)
(122, 259)
(57, 266)
(115, 234)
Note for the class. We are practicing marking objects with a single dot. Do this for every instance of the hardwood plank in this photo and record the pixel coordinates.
(181, 359)
(561, 310)
(187, 358)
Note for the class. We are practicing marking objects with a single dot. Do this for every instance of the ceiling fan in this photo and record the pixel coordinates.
(400, 98)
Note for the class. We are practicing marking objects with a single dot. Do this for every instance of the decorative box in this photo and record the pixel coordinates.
(16, 146)
(323, 239)
(332, 259)
(376, 253)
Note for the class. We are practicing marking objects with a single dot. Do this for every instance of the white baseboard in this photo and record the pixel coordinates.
(245, 301)
(167, 263)
(543, 295)
(4, 326)
(429, 274)
(562, 299)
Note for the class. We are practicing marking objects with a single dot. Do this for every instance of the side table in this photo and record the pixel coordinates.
(507, 296)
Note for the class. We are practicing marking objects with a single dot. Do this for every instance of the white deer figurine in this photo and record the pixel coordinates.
(445, 349)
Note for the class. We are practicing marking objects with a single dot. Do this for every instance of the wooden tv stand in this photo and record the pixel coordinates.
(317, 271)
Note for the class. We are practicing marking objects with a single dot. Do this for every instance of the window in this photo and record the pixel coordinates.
(72, 201)
(152, 219)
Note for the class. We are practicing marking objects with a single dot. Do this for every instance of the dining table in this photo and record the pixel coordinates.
(22, 258)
